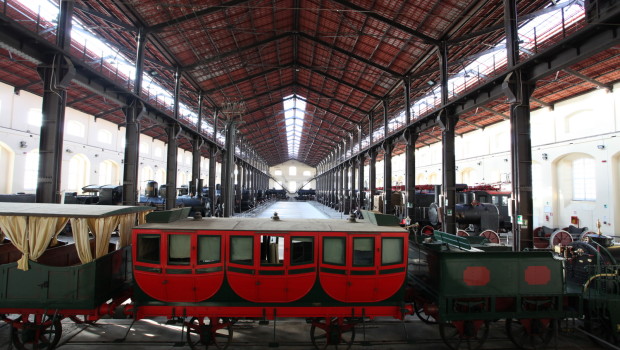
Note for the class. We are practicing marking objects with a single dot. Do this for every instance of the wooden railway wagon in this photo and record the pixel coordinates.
(464, 283)
(216, 270)
(43, 281)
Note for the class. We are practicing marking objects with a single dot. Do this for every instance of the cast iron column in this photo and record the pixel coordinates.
(372, 177)
(197, 142)
(212, 171)
(56, 75)
(410, 139)
(387, 177)
(519, 90)
(172, 131)
(228, 173)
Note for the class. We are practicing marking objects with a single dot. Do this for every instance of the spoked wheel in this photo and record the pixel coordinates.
(30, 332)
(332, 332)
(424, 317)
(209, 331)
(490, 235)
(469, 335)
(560, 237)
(530, 333)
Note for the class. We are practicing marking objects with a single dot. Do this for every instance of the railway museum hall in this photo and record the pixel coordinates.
(492, 118)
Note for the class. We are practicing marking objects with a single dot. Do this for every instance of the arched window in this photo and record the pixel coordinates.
(433, 179)
(79, 167)
(104, 136)
(75, 128)
(146, 174)
(7, 159)
(31, 171)
(584, 180)
(160, 176)
(469, 176)
(181, 178)
(292, 171)
(420, 179)
(108, 173)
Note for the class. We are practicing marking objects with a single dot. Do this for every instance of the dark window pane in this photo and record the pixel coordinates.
(363, 251)
(148, 248)
(302, 250)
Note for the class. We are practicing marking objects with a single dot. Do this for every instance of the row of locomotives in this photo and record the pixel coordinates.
(96, 194)
(306, 195)
(213, 272)
(45, 280)
(480, 210)
(187, 196)
(463, 284)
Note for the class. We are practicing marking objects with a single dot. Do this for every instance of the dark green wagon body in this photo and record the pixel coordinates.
(471, 284)
(78, 287)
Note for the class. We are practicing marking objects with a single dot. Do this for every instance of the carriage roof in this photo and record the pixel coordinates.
(264, 224)
(67, 210)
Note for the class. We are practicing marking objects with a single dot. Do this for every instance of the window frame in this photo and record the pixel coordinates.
(372, 251)
(174, 263)
(344, 250)
(148, 235)
(290, 256)
(402, 254)
(198, 237)
(252, 257)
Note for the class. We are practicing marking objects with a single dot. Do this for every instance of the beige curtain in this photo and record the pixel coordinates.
(60, 225)
(15, 228)
(79, 227)
(142, 216)
(41, 231)
(127, 221)
(102, 229)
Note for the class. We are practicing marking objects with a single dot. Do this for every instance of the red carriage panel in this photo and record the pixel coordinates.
(271, 267)
(178, 266)
(362, 268)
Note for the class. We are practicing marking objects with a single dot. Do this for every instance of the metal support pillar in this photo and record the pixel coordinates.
(519, 90)
(173, 129)
(362, 193)
(346, 199)
(195, 188)
(228, 172)
(212, 171)
(56, 74)
(387, 178)
(353, 194)
(372, 178)
(447, 123)
(410, 205)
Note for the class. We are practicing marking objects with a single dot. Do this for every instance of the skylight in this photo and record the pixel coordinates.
(294, 111)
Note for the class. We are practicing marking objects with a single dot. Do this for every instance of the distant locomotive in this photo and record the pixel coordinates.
(156, 197)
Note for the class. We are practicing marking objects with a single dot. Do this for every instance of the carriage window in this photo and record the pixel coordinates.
(363, 251)
(271, 250)
(148, 248)
(495, 200)
(208, 249)
(179, 249)
(333, 250)
(302, 250)
(392, 252)
(241, 250)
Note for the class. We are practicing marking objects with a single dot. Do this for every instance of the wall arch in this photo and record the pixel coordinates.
(79, 170)
(7, 164)
(568, 170)
(109, 173)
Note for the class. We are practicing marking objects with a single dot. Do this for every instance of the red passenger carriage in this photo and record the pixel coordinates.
(217, 270)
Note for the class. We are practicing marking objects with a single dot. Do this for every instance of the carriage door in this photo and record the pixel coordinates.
(362, 279)
(392, 264)
(178, 282)
(271, 279)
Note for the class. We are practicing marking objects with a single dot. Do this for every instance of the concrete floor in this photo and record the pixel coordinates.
(383, 334)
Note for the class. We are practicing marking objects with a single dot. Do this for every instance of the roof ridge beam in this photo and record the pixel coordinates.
(351, 54)
(334, 99)
(427, 39)
(340, 81)
(239, 50)
(197, 14)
